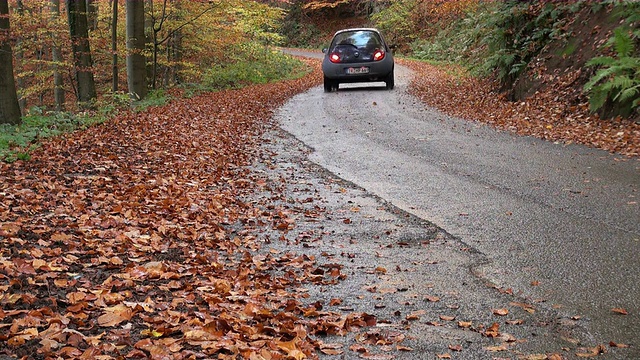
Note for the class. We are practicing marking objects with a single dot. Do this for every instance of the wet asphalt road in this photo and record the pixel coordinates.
(558, 224)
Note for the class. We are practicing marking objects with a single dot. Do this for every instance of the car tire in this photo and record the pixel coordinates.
(330, 85)
(390, 81)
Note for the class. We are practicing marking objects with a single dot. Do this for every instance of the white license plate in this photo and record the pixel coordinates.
(358, 70)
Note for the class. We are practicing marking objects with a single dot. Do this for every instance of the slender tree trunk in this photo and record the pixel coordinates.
(136, 62)
(92, 15)
(154, 69)
(114, 45)
(40, 57)
(78, 27)
(9, 107)
(174, 58)
(149, 24)
(56, 57)
(19, 63)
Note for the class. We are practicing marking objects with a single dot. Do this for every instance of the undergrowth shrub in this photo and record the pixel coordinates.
(519, 31)
(615, 87)
(499, 38)
(252, 63)
(461, 41)
(16, 141)
(394, 21)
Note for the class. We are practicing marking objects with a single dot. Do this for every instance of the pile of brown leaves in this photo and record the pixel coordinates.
(129, 240)
(548, 114)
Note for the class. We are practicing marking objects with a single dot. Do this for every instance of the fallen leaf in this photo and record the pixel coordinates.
(620, 311)
(492, 331)
(592, 352)
(464, 324)
(526, 307)
(496, 348)
(618, 345)
(501, 312)
(415, 315)
(115, 315)
(535, 357)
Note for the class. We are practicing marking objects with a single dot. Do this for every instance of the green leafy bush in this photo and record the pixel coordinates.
(517, 34)
(460, 42)
(617, 81)
(498, 37)
(252, 63)
(394, 22)
(16, 141)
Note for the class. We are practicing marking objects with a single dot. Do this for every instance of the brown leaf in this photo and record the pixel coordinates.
(501, 312)
(620, 311)
(115, 315)
(496, 348)
(415, 315)
(381, 270)
(432, 298)
(592, 352)
(464, 324)
(618, 345)
(493, 330)
(528, 308)
(335, 302)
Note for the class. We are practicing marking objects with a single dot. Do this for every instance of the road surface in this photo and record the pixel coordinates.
(558, 224)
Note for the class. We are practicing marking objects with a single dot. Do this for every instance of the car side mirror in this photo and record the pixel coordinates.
(325, 50)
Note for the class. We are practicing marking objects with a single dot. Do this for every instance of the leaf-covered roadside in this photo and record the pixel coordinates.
(547, 115)
(129, 240)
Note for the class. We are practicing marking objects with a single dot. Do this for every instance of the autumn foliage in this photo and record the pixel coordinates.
(130, 240)
(546, 114)
(191, 37)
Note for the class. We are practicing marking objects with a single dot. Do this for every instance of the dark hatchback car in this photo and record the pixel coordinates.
(357, 55)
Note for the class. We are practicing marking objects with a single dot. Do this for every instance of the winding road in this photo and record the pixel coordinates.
(558, 224)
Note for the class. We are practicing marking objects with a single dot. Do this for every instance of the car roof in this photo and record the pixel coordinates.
(357, 29)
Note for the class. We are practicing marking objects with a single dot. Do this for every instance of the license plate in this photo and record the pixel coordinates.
(358, 70)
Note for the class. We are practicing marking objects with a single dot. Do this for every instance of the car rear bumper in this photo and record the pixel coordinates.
(378, 70)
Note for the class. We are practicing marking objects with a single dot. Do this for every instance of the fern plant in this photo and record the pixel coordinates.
(617, 81)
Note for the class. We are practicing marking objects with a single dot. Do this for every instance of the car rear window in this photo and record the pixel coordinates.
(359, 38)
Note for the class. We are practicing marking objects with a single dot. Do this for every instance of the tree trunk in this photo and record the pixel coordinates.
(114, 45)
(9, 107)
(92, 15)
(136, 62)
(56, 57)
(149, 23)
(79, 30)
(174, 58)
(22, 101)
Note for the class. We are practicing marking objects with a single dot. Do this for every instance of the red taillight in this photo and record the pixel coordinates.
(334, 58)
(378, 55)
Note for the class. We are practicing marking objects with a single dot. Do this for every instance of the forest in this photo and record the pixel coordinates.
(96, 54)
(71, 63)
(144, 212)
